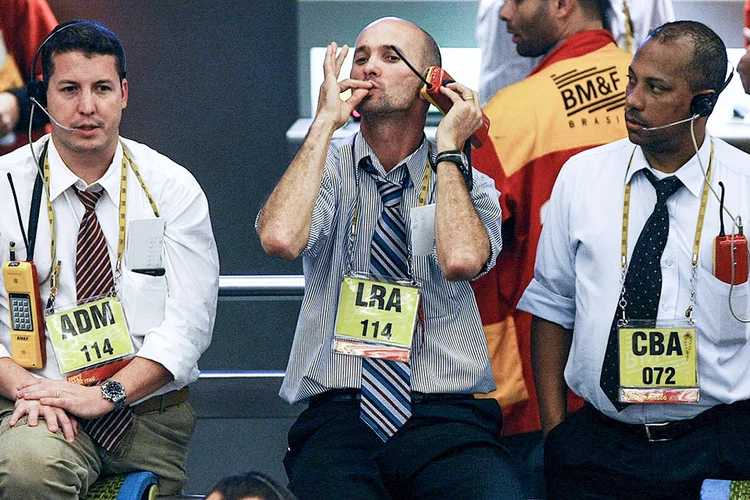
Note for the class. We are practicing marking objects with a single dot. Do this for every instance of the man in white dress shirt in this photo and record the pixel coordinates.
(680, 410)
(147, 218)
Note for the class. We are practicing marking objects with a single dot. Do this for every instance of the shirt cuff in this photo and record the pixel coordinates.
(546, 304)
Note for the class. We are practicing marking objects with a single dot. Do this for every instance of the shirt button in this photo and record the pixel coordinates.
(666, 307)
(670, 262)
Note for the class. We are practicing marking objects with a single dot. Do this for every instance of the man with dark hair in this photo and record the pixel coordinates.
(708, 68)
(128, 269)
(640, 299)
(570, 102)
(395, 419)
(86, 39)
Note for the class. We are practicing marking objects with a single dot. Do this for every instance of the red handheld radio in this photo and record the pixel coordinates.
(438, 77)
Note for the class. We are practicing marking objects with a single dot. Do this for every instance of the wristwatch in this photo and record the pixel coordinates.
(459, 159)
(114, 392)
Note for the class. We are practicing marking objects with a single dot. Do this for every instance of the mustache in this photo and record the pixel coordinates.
(633, 117)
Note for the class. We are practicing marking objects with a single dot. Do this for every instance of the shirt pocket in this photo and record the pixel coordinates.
(144, 298)
(712, 312)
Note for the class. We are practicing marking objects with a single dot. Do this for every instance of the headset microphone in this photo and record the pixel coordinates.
(52, 118)
(695, 116)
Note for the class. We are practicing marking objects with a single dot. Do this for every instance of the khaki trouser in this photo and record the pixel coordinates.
(37, 464)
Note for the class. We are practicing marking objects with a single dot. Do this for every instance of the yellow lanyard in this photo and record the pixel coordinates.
(696, 241)
(55, 272)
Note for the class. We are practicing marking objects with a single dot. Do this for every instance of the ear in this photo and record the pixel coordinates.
(563, 8)
(124, 88)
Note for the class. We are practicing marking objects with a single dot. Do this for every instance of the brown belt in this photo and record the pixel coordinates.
(159, 403)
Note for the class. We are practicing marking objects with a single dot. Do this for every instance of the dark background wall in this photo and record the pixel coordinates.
(213, 85)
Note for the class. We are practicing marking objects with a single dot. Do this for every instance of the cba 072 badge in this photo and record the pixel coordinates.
(658, 364)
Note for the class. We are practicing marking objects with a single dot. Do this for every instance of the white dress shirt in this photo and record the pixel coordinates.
(170, 317)
(577, 273)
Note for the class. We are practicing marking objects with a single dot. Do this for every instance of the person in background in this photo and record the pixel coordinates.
(249, 486)
(629, 21)
(743, 67)
(24, 24)
(571, 101)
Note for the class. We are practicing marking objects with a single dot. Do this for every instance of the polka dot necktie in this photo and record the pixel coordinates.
(94, 279)
(642, 282)
(385, 404)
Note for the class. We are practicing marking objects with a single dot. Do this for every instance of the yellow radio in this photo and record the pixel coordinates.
(26, 317)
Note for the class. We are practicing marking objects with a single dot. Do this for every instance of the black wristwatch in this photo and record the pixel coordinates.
(459, 159)
(114, 392)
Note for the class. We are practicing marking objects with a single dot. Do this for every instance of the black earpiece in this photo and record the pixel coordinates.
(37, 89)
(703, 104)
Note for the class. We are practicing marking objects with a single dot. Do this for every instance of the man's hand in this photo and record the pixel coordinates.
(8, 113)
(56, 418)
(330, 105)
(81, 401)
(463, 119)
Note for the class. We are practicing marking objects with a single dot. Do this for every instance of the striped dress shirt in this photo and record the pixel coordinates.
(451, 355)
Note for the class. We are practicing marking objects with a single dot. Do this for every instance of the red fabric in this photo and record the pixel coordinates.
(24, 25)
(576, 45)
(523, 194)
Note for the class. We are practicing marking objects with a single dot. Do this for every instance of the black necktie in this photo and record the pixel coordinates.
(643, 280)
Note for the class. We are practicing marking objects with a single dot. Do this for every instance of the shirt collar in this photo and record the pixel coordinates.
(415, 162)
(61, 178)
(690, 173)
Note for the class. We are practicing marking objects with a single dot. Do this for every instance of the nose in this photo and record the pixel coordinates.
(86, 102)
(506, 11)
(372, 66)
(633, 97)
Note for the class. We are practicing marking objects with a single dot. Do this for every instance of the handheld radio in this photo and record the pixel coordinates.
(437, 77)
(730, 251)
(27, 340)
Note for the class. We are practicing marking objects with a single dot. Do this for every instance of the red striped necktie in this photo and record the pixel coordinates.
(94, 279)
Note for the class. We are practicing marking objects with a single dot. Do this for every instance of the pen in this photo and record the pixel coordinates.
(159, 271)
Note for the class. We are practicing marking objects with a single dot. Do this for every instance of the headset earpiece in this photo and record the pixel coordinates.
(37, 90)
(703, 104)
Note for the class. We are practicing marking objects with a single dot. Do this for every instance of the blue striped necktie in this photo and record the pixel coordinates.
(642, 283)
(386, 390)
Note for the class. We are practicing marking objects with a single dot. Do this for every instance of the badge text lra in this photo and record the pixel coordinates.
(377, 298)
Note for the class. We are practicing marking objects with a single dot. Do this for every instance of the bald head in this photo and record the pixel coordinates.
(428, 52)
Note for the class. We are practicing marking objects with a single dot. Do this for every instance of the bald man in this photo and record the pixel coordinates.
(394, 418)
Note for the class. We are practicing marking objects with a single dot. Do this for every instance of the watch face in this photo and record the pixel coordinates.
(113, 392)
